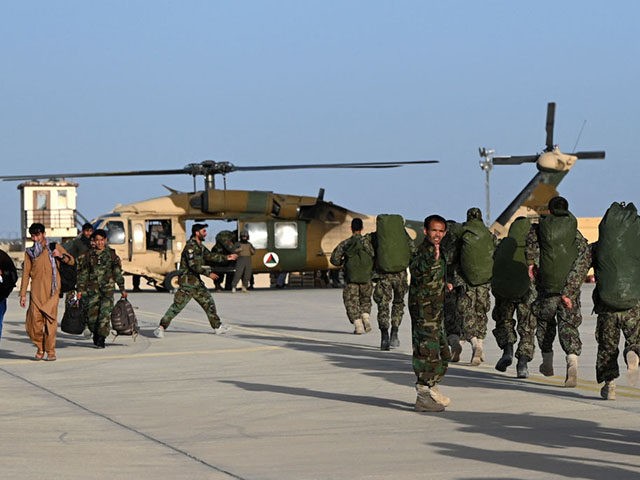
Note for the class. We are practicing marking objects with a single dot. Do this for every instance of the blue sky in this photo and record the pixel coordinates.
(129, 85)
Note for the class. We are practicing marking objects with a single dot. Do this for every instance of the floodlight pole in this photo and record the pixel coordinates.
(486, 164)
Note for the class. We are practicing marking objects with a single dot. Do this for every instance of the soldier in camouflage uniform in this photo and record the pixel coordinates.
(99, 271)
(452, 322)
(608, 327)
(561, 311)
(76, 247)
(473, 305)
(356, 295)
(426, 303)
(195, 261)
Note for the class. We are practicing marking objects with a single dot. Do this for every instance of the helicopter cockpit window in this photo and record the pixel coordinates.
(115, 233)
(286, 235)
(257, 233)
(158, 234)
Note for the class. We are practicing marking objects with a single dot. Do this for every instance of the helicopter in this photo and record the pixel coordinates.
(552, 164)
(291, 233)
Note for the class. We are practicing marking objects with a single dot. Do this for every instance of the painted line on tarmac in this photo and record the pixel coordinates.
(129, 356)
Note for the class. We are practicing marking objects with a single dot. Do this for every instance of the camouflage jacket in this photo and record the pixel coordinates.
(580, 267)
(99, 271)
(196, 260)
(427, 274)
(78, 246)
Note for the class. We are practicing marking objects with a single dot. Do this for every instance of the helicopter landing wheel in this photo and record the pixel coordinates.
(171, 281)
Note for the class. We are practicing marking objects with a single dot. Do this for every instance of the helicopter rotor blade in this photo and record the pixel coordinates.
(515, 160)
(336, 165)
(210, 167)
(597, 155)
(551, 114)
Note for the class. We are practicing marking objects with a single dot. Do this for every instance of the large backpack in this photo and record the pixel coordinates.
(74, 318)
(476, 253)
(68, 274)
(123, 318)
(617, 260)
(558, 250)
(510, 278)
(358, 265)
(392, 244)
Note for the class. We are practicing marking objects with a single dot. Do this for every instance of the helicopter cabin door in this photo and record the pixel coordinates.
(287, 239)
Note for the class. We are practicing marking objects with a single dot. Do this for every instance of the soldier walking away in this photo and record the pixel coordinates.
(393, 248)
(426, 307)
(616, 298)
(41, 270)
(558, 258)
(196, 260)
(475, 266)
(245, 250)
(356, 254)
(8, 279)
(99, 271)
(514, 292)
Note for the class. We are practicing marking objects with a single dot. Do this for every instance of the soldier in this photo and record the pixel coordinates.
(393, 248)
(475, 266)
(514, 292)
(99, 271)
(356, 255)
(616, 298)
(450, 245)
(558, 258)
(193, 263)
(82, 243)
(426, 303)
(245, 250)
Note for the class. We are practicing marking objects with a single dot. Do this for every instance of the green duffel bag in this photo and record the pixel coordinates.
(510, 278)
(558, 250)
(392, 244)
(358, 265)
(617, 259)
(476, 253)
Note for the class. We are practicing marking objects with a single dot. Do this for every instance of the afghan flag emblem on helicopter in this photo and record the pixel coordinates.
(270, 259)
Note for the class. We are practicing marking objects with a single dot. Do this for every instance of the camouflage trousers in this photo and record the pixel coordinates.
(473, 307)
(431, 352)
(184, 294)
(608, 337)
(357, 299)
(98, 307)
(452, 323)
(505, 329)
(390, 289)
(550, 313)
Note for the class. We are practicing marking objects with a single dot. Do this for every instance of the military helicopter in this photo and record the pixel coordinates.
(553, 165)
(291, 233)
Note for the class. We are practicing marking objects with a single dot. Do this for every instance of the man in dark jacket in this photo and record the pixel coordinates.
(8, 279)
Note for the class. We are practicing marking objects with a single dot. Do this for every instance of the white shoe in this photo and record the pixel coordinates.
(159, 332)
(86, 333)
(221, 330)
(233, 290)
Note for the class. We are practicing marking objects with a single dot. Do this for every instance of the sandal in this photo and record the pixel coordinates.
(51, 357)
(39, 355)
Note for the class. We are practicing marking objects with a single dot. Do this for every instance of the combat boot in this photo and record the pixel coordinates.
(608, 392)
(522, 369)
(456, 347)
(633, 374)
(571, 379)
(393, 340)
(477, 355)
(384, 340)
(365, 322)
(358, 326)
(437, 395)
(425, 401)
(546, 367)
(507, 358)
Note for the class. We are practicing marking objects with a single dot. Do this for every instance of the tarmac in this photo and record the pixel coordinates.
(291, 393)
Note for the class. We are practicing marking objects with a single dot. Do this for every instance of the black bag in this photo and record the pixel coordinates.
(123, 318)
(68, 274)
(74, 319)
